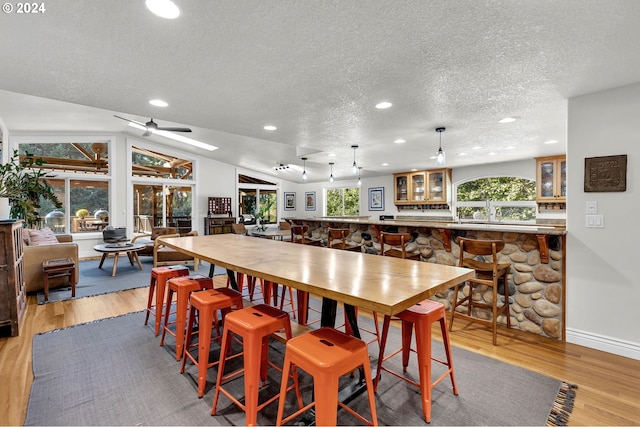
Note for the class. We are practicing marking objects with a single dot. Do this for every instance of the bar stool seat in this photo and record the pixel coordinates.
(206, 304)
(157, 284)
(422, 316)
(327, 354)
(255, 326)
(183, 287)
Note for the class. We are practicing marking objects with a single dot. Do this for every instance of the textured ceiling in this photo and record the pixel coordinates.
(316, 69)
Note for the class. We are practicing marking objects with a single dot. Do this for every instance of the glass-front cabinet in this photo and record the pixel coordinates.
(551, 179)
(422, 187)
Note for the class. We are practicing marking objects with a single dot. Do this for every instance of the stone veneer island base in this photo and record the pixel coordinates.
(536, 253)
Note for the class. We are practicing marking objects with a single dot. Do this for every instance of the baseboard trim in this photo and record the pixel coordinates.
(604, 343)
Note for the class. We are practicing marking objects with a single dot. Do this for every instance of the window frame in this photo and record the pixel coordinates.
(342, 190)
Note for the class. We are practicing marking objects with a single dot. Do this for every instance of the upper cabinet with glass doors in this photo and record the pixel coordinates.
(422, 187)
(551, 179)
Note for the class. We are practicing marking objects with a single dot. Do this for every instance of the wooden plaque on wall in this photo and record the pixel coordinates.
(605, 174)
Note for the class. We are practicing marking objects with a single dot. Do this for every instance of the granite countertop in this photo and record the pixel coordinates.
(470, 225)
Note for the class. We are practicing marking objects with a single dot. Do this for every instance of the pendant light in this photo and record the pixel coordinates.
(359, 179)
(440, 155)
(331, 176)
(304, 169)
(354, 170)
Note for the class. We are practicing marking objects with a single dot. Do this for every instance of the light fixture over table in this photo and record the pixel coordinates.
(440, 156)
(354, 170)
(331, 176)
(304, 169)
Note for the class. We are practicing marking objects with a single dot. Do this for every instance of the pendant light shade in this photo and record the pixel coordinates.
(359, 179)
(304, 169)
(331, 176)
(440, 157)
(354, 170)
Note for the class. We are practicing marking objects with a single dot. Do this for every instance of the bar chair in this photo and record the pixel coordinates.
(157, 286)
(337, 238)
(422, 316)
(300, 234)
(489, 273)
(254, 325)
(326, 354)
(396, 240)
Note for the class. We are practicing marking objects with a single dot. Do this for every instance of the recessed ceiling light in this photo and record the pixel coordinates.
(163, 8)
(270, 127)
(414, 170)
(511, 147)
(432, 157)
(551, 141)
(385, 164)
(158, 103)
(507, 120)
(462, 154)
(477, 147)
(383, 105)
(492, 153)
(399, 141)
(332, 154)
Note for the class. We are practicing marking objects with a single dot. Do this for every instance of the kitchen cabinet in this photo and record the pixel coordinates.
(551, 179)
(429, 187)
(218, 225)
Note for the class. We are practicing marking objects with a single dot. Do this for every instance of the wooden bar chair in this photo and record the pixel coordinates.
(337, 238)
(326, 354)
(489, 273)
(300, 234)
(395, 240)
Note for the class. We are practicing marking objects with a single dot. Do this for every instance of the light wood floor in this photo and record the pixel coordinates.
(608, 394)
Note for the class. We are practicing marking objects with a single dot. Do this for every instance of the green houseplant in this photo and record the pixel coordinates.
(25, 185)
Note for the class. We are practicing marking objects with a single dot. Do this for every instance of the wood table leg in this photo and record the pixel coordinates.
(115, 264)
(104, 256)
(135, 255)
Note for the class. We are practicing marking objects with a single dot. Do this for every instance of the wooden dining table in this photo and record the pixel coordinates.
(382, 284)
(386, 285)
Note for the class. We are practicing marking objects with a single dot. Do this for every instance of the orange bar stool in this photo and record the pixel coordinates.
(159, 277)
(327, 354)
(206, 304)
(422, 315)
(182, 286)
(254, 325)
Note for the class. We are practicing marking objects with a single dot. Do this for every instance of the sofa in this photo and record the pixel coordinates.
(43, 245)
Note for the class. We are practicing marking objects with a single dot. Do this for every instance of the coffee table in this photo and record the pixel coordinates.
(115, 249)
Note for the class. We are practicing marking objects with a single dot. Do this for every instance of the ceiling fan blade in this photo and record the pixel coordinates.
(129, 120)
(170, 129)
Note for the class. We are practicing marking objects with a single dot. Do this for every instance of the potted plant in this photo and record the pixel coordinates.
(82, 213)
(24, 186)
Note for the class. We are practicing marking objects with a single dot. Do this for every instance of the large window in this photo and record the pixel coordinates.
(343, 201)
(257, 200)
(497, 199)
(163, 191)
(80, 182)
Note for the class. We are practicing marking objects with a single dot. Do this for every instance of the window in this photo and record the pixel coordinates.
(162, 192)
(80, 182)
(257, 200)
(343, 201)
(497, 199)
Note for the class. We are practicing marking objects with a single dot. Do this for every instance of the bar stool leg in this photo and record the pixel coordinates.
(204, 347)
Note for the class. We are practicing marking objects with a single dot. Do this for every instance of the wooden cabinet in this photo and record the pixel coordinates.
(218, 225)
(12, 285)
(422, 187)
(551, 179)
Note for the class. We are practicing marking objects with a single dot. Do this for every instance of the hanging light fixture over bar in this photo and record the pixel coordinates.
(304, 169)
(440, 157)
(331, 176)
(354, 170)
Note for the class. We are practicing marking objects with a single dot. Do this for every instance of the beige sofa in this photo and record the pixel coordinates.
(35, 255)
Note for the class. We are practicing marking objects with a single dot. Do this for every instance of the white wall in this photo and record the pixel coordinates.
(603, 289)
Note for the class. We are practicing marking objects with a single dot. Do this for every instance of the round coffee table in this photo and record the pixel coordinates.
(115, 249)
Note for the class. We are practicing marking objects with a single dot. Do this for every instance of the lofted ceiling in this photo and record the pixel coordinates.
(316, 70)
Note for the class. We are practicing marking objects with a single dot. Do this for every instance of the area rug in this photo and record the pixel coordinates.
(113, 372)
(98, 281)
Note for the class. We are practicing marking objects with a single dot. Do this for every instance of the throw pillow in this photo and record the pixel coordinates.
(42, 237)
(25, 236)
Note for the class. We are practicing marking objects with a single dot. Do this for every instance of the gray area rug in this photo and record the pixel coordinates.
(113, 372)
(98, 281)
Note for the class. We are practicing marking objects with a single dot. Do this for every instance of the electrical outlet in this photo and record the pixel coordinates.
(592, 207)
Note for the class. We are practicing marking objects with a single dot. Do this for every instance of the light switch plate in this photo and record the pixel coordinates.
(594, 221)
(592, 207)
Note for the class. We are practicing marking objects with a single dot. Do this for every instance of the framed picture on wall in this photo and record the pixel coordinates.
(376, 199)
(289, 201)
(310, 201)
